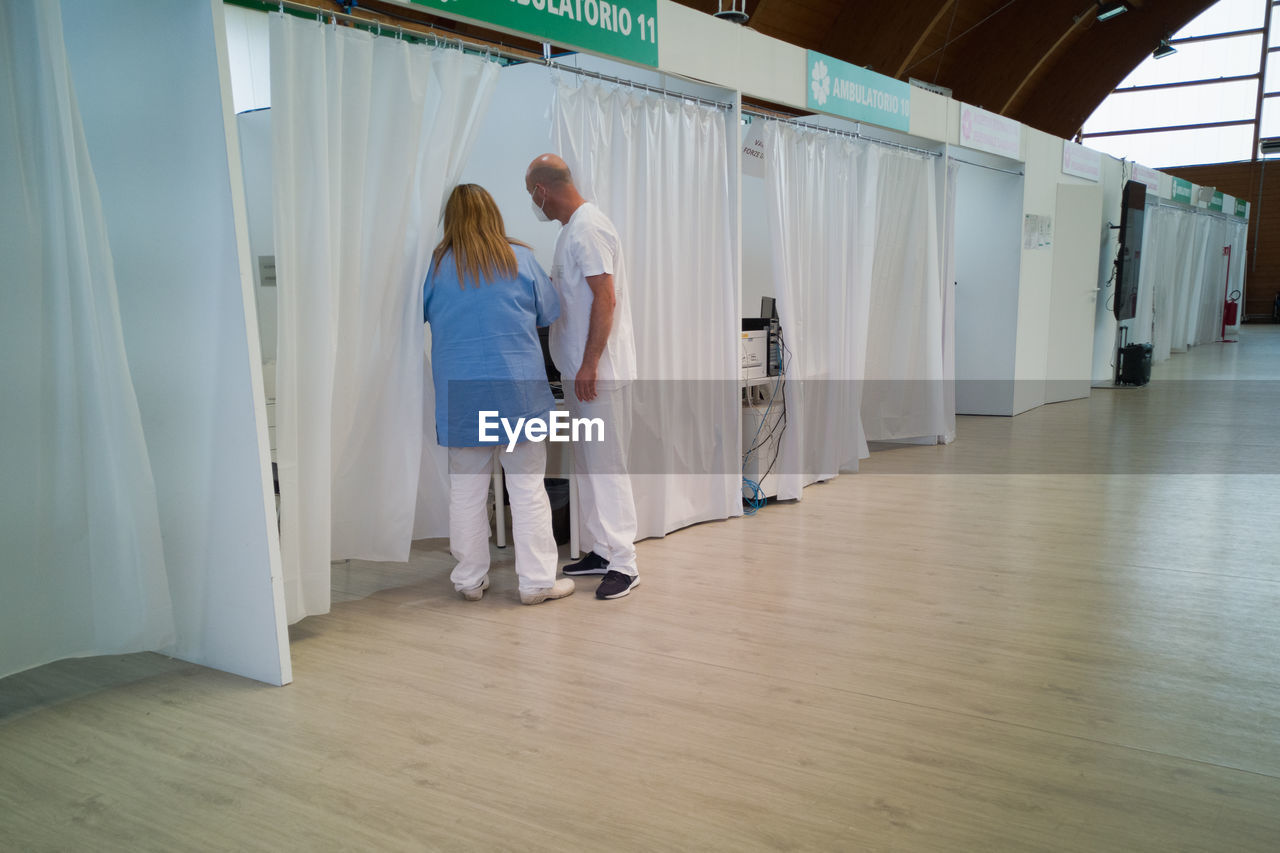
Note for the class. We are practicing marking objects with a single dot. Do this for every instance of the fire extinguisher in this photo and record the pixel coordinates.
(1231, 309)
(1231, 305)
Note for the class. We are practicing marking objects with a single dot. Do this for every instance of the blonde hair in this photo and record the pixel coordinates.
(473, 229)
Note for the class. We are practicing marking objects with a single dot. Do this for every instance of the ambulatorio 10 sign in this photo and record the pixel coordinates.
(626, 29)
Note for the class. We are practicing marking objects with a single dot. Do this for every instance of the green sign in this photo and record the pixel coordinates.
(626, 29)
(851, 91)
(1182, 190)
(1242, 208)
(1216, 204)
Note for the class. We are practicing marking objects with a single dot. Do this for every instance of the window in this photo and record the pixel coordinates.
(1165, 149)
(1184, 90)
(1227, 16)
(1213, 102)
(1271, 117)
(1200, 60)
(1273, 71)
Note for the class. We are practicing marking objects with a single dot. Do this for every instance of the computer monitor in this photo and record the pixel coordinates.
(769, 313)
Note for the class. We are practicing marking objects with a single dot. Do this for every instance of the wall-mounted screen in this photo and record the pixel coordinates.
(1128, 261)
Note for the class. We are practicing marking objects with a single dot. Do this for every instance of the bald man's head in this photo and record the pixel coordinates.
(550, 185)
(550, 171)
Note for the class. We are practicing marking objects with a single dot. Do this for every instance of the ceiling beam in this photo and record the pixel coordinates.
(947, 6)
(1081, 23)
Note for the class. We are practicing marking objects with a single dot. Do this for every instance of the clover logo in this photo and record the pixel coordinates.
(821, 83)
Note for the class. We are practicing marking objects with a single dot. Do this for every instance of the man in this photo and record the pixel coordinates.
(592, 346)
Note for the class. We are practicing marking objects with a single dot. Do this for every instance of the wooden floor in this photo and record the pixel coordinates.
(1061, 632)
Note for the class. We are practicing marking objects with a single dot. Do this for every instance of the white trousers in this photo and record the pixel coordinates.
(470, 473)
(607, 507)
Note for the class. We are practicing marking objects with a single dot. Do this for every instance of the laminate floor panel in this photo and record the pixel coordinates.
(1028, 640)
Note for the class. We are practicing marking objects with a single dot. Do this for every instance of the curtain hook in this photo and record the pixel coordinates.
(281, 7)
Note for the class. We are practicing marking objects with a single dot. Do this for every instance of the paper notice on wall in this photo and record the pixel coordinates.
(753, 162)
(1037, 231)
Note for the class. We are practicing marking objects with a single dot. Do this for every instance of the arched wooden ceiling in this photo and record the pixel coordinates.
(1046, 63)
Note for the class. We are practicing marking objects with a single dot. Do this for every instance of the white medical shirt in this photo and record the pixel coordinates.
(589, 245)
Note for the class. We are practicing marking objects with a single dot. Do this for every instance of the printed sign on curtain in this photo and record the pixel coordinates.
(989, 132)
(1081, 162)
(626, 29)
(753, 151)
(854, 92)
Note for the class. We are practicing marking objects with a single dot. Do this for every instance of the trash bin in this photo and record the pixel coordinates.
(558, 496)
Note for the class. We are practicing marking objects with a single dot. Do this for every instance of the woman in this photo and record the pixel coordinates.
(485, 296)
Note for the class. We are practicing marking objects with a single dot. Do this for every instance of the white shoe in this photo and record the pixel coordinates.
(476, 592)
(562, 588)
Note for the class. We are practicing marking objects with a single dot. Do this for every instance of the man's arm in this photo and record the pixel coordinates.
(601, 323)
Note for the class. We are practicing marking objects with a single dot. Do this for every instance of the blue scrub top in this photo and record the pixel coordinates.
(485, 353)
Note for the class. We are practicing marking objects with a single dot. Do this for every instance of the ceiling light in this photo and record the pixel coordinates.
(733, 10)
(1165, 49)
(1108, 10)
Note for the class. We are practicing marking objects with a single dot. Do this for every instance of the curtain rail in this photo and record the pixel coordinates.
(723, 105)
(1199, 211)
(1021, 173)
(481, 48)
(852, 134)
(374, 26)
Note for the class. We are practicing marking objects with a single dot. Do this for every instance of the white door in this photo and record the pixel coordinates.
(988, 255)
(1073, 296)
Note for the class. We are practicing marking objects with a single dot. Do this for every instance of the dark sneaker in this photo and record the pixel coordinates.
(616, 585)
(592, 564)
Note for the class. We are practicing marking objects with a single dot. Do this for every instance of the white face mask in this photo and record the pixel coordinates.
(537, 209)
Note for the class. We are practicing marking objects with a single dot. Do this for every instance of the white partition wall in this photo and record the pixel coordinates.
(515, 129)
(161, 136)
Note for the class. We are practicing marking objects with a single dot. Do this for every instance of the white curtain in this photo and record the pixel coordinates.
(370, 134)
(904, 394)
(1185, 272)
(659, 167)
(1192, 234)
(1160, 271)
(1141, 325)
(822, 217)
(85, 571)
(864, 290)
